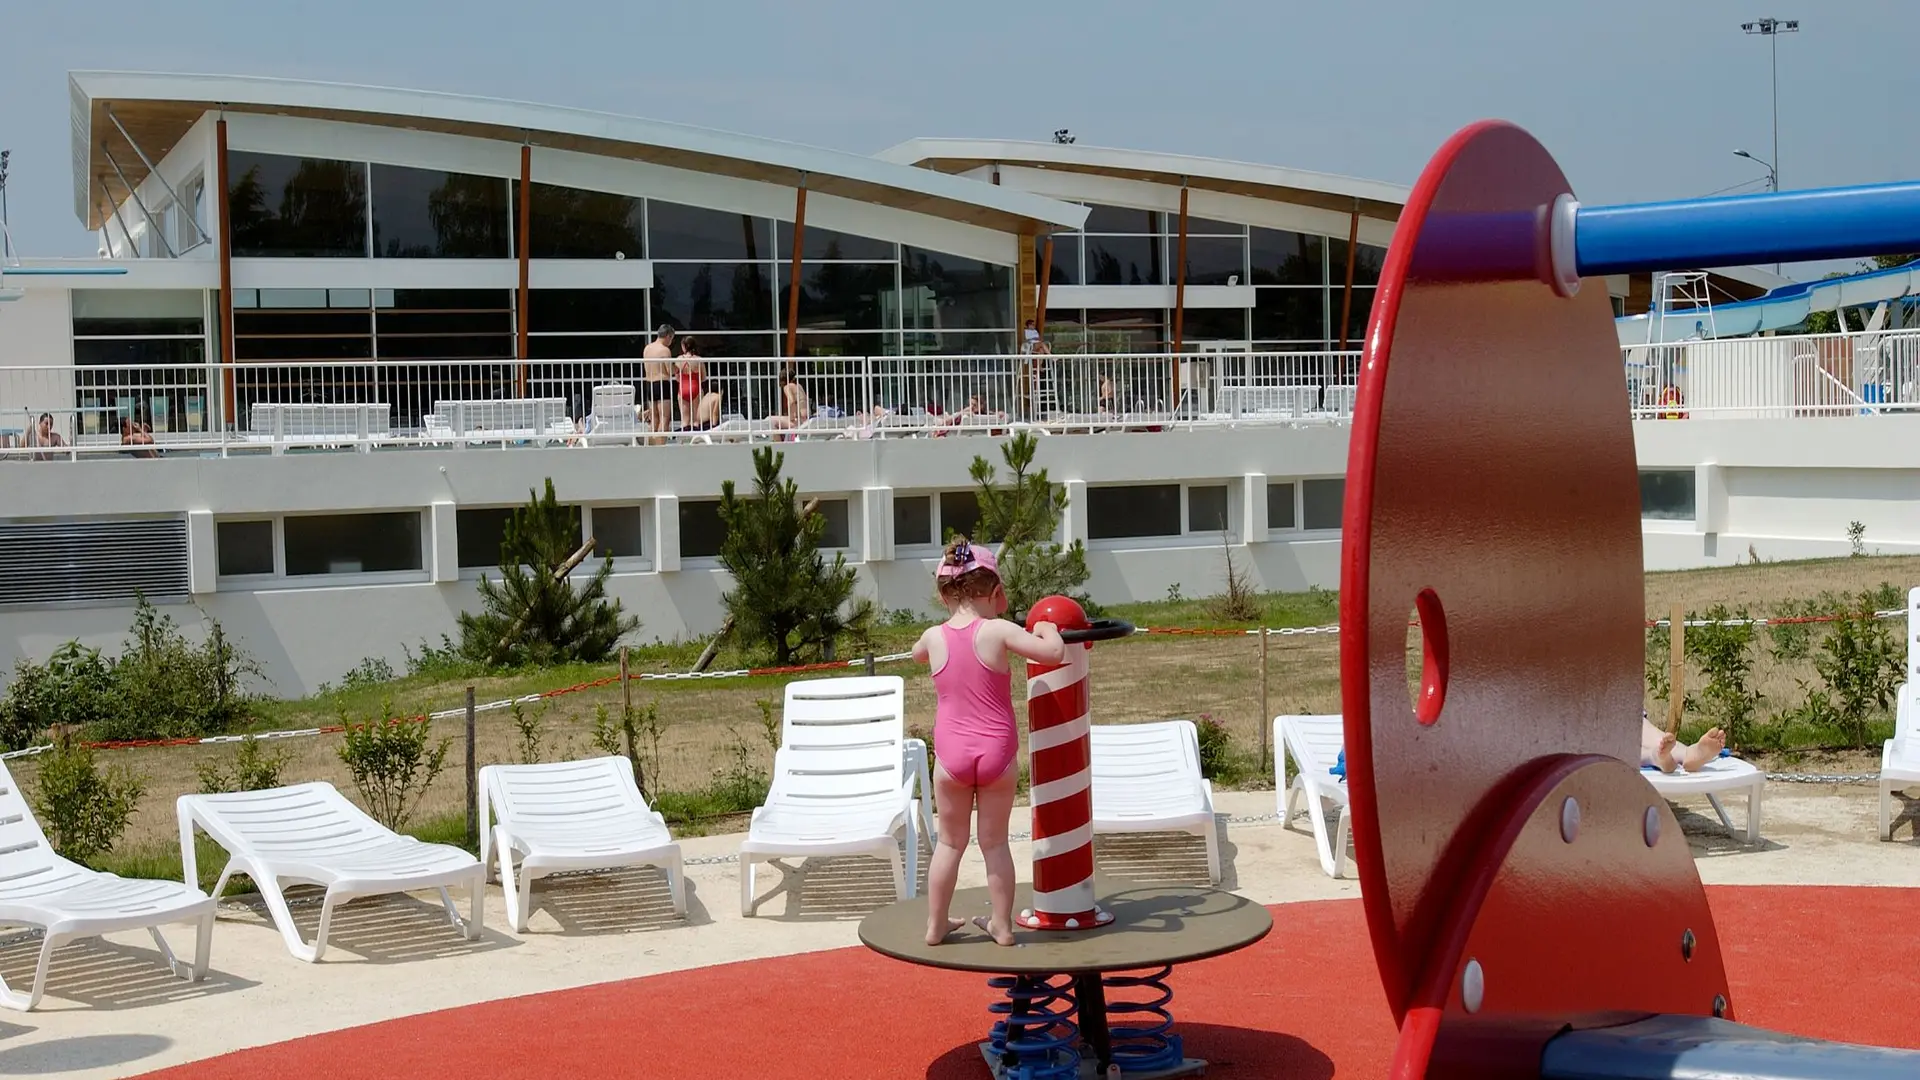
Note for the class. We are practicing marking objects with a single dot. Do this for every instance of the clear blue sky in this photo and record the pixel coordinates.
(1639, 99)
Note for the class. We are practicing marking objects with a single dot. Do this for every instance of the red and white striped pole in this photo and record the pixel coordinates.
(1059, 750)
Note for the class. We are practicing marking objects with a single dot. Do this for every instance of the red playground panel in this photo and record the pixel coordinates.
(1521, 879)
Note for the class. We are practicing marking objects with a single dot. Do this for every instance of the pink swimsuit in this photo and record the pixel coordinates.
(975, 735)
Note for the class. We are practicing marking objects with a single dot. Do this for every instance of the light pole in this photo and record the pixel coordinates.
(6, 235)
(1773, 180)
(1771, 29)
(1773, 175)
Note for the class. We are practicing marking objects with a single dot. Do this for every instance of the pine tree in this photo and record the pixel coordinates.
(1022, 516)
(534, 614)
(784, 593)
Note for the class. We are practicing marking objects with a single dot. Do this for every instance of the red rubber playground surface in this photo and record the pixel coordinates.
(1832, 962)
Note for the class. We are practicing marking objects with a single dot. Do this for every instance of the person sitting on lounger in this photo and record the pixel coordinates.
(1662, 750)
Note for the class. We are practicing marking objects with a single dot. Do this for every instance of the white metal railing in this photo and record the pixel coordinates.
(264, 407)
(1841, 374)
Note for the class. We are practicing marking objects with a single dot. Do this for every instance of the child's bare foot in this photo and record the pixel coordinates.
(1706, 749)
(1664, 756)
(935, 935)
(1002, 934)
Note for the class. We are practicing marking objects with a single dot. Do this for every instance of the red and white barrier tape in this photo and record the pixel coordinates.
(836, 665)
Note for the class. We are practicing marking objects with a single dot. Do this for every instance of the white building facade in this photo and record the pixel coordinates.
(360, 325)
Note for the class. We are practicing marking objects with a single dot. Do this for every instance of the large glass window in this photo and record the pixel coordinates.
(617, 532)
(287, 206)
(826, 244)
(139, 355)
(1280, 505)
(577, 311)
(1126, 260)
(1287, 258)
(1366, 271)
(1135, 510)
(1207, 508)
(691, 232)
(1290, 315)
(846, 296)
(959, 514)
(352, 543)
(837, 533)
(1321, 502)
(1215, 260)
(479, 534)
(568, 223)
(714, 296)
(1667, 494)
(1215, 324)
(1066, 258)
(1123, 220)
(243, 547)
(1123, 331)
(912, 520)
(952, 292)
(429, 214)
(701, 529)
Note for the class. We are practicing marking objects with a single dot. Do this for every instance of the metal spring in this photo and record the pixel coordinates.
(1147, 1042)
(1036, 1038)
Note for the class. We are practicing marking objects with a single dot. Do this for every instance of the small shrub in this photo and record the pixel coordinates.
(1856, 538)
(249, 768)
(787, 596)
(530, 727)
(371, 671)
(1725, 657)
(442, 661)
(637, 735)
(392, 763)
(83, 810)
(169, 687)
(900, 618)
(1862, 663)
(1174, 594)
(1239, 602)
(769, 723)
(74, 688)
(1218, 760)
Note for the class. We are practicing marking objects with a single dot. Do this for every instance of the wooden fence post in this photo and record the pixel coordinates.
(473, 795)
(1266, 721)
(1676, 667)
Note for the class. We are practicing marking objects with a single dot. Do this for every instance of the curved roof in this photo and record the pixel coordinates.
(158, 109)
(1372, 198)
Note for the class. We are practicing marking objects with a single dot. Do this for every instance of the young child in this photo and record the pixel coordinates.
(1657, 748)
(975, 735)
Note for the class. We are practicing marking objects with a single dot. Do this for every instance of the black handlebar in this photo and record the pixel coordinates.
(1101, 630)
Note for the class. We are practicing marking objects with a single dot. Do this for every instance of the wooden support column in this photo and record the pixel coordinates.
(225, 228)
(521, 245)
(1046, 277)
(1180, 291)
(793, 276)
(1346, 295)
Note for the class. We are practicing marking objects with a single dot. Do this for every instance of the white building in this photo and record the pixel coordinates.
(361, 324)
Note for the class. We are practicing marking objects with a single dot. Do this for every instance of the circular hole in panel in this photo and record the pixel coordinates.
(1427, 658)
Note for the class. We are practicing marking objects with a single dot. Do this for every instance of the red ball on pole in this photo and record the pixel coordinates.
(1059, 748)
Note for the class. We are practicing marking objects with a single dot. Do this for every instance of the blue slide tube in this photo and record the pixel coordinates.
(1793, 226)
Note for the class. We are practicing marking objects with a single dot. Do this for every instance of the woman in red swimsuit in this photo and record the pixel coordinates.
(693, 372)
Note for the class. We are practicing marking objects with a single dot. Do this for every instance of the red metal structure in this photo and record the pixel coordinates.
(1521, 879)
(1059, 749)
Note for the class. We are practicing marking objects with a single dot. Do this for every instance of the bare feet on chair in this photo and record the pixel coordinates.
(935, 935)
(1706, 749)
(1664, 756)
(1001, 935)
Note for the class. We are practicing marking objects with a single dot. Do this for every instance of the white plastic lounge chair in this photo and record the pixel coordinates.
(1315, 743)
(1714, 778)
(834, 702)
(1146, 778)
(309, 834)
(69, 901)
(571, 815)
(840, 788)
(1900, 757)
